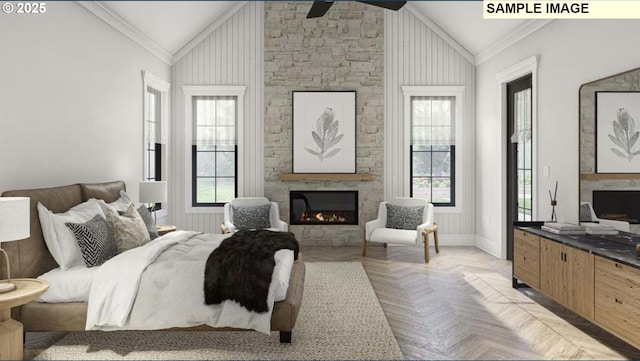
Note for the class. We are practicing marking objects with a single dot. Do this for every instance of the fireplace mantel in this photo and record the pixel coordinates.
(293, 177)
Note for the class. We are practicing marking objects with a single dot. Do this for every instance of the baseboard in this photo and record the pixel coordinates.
(488, 246)
(445, 240)
(456, 240)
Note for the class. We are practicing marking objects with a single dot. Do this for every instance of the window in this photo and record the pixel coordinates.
(155, 122)
(152, 148)
(433, 115)
(214, 152)
(214, 117)
(433, 154)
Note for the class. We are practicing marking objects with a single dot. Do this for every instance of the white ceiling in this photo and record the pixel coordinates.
(463, 21)
(172, 24)
(169, 24)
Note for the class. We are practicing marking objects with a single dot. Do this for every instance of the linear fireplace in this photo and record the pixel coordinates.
(617, 205)
(323, 207)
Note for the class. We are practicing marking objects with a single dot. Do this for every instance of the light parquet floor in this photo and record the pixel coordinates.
(462, 306)
(459, 306)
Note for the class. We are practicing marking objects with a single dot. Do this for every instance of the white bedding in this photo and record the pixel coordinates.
(166, 269)
(70, 285)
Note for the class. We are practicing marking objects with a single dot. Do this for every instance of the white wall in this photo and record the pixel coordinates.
(416, 55)
(570, 53)
(232, 55)
(70, 100)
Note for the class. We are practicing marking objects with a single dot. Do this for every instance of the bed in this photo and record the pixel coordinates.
(31, 258)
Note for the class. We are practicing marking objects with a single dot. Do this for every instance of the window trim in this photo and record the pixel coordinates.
(211, 90)
(460, 108)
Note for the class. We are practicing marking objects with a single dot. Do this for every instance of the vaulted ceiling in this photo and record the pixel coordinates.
(170, 25)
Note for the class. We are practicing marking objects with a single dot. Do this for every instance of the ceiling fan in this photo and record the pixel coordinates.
(319, 8)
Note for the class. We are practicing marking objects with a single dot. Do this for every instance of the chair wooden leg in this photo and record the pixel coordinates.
(425, 237)
(435, 237)
(364, 243)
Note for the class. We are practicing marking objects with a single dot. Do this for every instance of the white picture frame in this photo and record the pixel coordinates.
(324, 131)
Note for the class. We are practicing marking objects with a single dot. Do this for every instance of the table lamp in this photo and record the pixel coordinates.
(153, 192)
(14, 225)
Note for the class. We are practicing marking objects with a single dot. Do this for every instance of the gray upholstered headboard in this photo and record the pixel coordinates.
(30, 257)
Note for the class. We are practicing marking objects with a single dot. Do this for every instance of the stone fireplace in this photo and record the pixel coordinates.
(323, 207)
(343, 50)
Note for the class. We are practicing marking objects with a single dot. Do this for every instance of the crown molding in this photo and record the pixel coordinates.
(207, 31)
(515, 36)
(103, 12)
(438, 30)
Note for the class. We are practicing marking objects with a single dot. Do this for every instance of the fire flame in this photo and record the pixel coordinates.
(321, 217)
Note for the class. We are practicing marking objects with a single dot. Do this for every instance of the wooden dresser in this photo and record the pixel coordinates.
(597, 277)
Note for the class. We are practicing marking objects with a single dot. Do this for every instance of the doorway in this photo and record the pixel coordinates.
(519, 155)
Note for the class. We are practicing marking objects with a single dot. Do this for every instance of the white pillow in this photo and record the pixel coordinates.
(60, 240)
(71, 285)
(282, 273)
(119, 205)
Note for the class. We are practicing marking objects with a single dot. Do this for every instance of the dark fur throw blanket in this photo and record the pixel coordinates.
(240, 268)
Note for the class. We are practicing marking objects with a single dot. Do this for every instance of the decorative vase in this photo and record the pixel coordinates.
(554, 203)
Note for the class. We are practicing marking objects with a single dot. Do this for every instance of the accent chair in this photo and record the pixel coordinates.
(403, 220)
(252, 213)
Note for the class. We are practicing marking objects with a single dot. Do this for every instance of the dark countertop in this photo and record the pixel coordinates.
(620, 248)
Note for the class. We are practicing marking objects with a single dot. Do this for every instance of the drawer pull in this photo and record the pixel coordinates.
(618, 266)
(618, 301)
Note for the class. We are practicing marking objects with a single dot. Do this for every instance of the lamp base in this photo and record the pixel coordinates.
(7, 287)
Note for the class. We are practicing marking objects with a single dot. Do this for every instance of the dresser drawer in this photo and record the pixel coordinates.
(617, 298)
(526, 258)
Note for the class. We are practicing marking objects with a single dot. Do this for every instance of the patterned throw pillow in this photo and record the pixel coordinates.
(399, 217)
(95, 240)
(251, 217)
(129, 230)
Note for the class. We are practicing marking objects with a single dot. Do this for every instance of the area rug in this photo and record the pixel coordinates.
(340, 318)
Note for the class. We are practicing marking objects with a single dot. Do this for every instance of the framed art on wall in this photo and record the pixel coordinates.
(324, 132)
(617, 131)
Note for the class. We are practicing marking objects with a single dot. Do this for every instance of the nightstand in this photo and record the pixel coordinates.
(164, 229)
(11, 334)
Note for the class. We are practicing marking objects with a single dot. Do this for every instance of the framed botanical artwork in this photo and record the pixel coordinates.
(324, 132)
(617, 129)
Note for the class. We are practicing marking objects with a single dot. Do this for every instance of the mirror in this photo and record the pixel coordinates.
(609, 168)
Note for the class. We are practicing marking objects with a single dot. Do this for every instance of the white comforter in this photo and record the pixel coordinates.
(160, 285)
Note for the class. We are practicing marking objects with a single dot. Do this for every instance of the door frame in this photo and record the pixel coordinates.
(527, 66)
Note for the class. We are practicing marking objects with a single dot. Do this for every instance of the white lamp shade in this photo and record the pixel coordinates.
(153, 192)
(14, 218)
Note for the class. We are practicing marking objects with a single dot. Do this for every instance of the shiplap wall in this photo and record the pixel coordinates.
(416, 55)
(231, 55)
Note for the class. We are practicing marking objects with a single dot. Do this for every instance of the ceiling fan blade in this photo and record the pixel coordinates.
(319, 8)
(391, 5)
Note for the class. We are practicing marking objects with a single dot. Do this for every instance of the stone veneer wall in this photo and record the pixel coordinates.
(343, 50)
